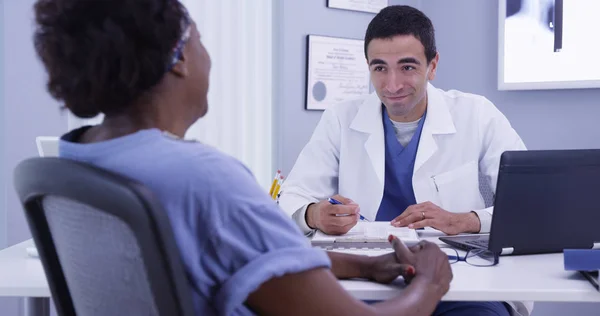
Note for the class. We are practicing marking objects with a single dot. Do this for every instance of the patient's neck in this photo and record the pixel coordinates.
(133, 120)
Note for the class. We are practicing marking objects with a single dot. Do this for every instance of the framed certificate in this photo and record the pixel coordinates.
(336, 71)
(372, 6)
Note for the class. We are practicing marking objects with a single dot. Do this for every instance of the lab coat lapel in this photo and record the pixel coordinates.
(437, 121)
(368, 121)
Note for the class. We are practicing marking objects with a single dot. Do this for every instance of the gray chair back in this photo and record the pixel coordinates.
(486, 191)
(105, 242)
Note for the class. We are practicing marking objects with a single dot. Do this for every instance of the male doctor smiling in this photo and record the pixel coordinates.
(409, 153)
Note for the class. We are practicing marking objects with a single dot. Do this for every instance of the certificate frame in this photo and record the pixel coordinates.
(350, 5)
(317, 96)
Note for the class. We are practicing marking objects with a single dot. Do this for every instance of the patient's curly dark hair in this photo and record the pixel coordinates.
(103, 55)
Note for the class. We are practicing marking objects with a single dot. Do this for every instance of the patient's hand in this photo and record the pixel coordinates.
(333, 219)
(430, 263)
(428, 214)
(386, 268)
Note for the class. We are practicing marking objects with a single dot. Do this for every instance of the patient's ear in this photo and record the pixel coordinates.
(180, 69)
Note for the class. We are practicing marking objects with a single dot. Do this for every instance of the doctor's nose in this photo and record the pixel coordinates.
(394, 84)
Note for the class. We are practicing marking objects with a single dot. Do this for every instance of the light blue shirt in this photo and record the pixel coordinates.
(231, 235)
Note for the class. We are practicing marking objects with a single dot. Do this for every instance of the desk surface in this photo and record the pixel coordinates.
(20, 274)
(515, 278)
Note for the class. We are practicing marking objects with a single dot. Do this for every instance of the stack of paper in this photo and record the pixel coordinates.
(367, 234)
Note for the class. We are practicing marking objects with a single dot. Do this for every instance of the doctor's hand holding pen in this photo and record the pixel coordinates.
(335, 216)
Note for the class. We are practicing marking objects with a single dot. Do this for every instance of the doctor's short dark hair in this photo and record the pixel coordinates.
(103, 55)
(402, 20)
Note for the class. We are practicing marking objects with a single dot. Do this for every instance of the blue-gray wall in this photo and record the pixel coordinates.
(2, 187)
(27, 111)
(467, 36)
(544, 119)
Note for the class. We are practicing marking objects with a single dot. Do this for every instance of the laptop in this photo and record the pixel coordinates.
(47, 146)
(546, 201)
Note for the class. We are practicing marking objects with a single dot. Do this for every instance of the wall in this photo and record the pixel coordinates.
(26, 111)
(295, 124)
(544, 119)
(2, 189)
(29, 111)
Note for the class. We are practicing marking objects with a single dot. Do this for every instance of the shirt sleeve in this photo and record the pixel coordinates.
(485, 219)
(251, 240)
(497, 136)
(299, 218)
(306, 184)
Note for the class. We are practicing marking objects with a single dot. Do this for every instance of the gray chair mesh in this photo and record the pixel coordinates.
(100, 259)
(486, 191)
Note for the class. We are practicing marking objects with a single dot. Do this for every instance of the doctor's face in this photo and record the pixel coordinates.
(400, 72)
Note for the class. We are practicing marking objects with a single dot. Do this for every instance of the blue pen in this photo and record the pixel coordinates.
(334, 202)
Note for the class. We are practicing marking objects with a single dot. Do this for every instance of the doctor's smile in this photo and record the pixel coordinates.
(397, 98)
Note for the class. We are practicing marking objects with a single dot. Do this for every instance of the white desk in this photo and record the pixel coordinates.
(23, 276)
(515, 278)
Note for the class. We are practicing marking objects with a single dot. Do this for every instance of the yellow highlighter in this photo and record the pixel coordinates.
(275, 181)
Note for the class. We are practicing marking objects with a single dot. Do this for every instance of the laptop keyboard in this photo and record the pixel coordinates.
(478, 243)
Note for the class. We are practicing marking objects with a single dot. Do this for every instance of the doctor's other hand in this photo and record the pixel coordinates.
(333, 219)
(428, 214)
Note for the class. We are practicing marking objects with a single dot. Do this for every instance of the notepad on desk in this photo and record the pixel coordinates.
(366, 235)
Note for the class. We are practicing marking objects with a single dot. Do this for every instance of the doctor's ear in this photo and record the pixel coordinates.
(433, 67)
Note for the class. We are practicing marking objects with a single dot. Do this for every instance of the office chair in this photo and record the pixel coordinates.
(105, 243)
(486, 191)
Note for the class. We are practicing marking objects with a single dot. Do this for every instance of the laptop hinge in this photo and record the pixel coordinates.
(596, 245)
(507, 251)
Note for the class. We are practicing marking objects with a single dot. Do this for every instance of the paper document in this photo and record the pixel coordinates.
(369, 232)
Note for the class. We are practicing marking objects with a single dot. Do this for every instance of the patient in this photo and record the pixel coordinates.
(141, 64)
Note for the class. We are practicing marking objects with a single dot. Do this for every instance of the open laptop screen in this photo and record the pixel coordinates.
(47, 146)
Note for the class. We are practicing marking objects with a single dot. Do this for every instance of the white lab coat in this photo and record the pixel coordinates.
(463, 136)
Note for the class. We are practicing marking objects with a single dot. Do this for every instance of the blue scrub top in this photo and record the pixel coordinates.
(398, 191)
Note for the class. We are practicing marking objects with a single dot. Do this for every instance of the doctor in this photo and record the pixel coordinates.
(409, 153)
